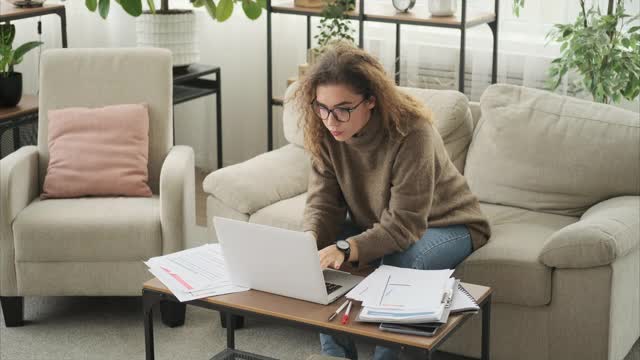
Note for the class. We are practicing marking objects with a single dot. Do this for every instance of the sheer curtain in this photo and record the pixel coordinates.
(429, 59)
(430, 56)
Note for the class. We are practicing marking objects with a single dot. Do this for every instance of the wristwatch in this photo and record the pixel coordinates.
(345, 247)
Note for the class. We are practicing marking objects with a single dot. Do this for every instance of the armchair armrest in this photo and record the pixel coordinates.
(177, 198)
(18, 187)
(261, 181)
(608, 230)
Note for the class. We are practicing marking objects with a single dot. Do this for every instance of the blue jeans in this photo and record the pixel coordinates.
(439, 248)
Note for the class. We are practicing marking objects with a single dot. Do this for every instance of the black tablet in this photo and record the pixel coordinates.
(424, 329)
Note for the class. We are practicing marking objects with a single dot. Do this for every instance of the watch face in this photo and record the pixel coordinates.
(403, 5)
(342, 244)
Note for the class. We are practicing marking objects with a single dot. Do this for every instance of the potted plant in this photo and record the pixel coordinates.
(175, 29)
(334, 25)
(11, 81)
(602, 48)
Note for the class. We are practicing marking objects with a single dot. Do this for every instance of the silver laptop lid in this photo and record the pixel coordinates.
(262, 257)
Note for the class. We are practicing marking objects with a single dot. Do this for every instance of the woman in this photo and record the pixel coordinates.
(377, 158)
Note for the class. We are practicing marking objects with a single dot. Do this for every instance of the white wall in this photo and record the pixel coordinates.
(238, 46)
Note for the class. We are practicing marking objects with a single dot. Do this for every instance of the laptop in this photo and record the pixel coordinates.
(279, 261)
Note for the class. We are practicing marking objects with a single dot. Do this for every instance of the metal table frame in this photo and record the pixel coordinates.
(152, 298)
(189, 84)
(14, 122)
(58, 9)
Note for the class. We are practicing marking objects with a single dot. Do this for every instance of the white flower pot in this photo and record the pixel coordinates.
(175, 31)
(443, 7)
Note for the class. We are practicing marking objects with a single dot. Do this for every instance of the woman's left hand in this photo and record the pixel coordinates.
(331, 257)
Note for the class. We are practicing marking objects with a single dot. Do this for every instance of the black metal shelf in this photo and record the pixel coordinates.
(184, 93)
(189, 84)
(384, 13)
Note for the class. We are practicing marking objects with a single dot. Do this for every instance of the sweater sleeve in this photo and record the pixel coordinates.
(325, 208)
(413, 182)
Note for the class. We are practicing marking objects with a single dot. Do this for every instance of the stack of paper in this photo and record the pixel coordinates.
(399, 295)
(194, 273)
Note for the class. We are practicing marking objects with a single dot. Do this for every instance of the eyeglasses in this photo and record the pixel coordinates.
(341, 114)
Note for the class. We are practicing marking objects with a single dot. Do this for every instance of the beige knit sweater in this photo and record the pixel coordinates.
(394, 187)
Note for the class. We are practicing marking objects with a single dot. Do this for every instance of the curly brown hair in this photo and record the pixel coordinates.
(343, 63)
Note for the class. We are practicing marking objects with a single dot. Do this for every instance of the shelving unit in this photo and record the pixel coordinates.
(385, 13)
(190, 83)
(22, 119)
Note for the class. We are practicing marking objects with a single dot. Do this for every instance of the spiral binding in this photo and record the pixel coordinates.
(464, 291)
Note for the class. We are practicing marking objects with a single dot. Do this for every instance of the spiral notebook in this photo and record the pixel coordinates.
(463, 301)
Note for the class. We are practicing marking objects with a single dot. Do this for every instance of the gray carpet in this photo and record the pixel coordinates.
(112, 328)
(64, 328)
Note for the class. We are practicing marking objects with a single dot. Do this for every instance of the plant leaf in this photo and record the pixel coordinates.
(224, 10)
(251, 9)
(103, 8)
(132, 7)
(211, 8)
(152, 6)
(92, 5)
(7, 34)
(23, 49)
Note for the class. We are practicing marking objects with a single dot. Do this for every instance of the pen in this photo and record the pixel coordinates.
(345, 317)
(338, 311)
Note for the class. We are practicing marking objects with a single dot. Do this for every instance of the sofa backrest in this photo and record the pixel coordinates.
(541, 151)
(450, 110)
(100, 77)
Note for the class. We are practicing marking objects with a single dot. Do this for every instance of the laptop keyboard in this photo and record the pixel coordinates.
(332, 287)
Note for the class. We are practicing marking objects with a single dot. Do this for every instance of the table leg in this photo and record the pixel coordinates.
(486, 328)
(63, 26)
(230, 331)
(219, 118)
(149, 299)
(463, 35)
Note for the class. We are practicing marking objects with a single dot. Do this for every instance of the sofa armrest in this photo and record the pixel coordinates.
(261, 181)
(608, 230)
(18, 187)
(177, 198)
(476, 112)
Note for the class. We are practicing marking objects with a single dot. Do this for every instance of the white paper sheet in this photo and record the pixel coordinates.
(194, 273)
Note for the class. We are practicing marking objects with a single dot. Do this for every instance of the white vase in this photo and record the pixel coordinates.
(175, 31)
(443, 7)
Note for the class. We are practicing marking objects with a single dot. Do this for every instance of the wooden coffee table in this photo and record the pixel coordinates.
(298, 313)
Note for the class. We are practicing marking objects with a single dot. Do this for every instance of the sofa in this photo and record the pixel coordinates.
(94, 246)
(559, 180)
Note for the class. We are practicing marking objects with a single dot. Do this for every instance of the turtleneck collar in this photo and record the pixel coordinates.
(369, 135)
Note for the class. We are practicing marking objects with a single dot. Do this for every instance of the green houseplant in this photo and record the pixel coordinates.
(175, 29)
(602, 48)
(220, 11)
(11, 81)
(334, 25)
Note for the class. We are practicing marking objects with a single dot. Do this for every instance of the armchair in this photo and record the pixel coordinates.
(94, 246)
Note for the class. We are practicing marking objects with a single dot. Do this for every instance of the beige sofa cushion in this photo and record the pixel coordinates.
(540, 151)
(285, 214)
(262, 180)
(509, 261)
(450, 111)
(609, 230)
(88, 229)
(453, 120)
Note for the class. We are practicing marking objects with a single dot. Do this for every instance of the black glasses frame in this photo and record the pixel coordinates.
(315, 104)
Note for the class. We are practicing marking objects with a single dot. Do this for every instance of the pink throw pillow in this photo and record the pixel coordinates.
(100, 152)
